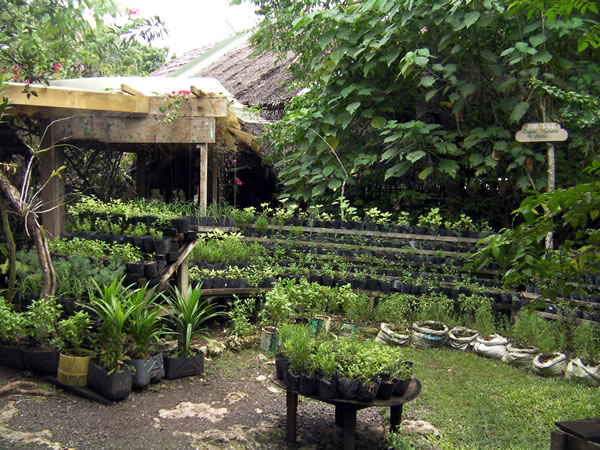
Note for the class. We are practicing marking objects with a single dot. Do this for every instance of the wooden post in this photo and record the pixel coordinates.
(141, 179)
(215, 175)
(52, 159)
(182, 277)
(203, 185)
(551, 185)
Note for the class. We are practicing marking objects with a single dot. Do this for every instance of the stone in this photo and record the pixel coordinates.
(419, 427)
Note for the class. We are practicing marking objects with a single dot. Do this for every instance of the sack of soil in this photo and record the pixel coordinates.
(392, 336)
(550, 364)
(583, 373)
(428, 334)
(461, 338)
(519, 357)
(493, 346)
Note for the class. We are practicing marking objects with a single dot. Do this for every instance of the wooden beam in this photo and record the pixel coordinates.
(192, 107)
(170, 270)
(139, 129)
(215, 175)
(60, 97)
(131, 91)
(203, 185)
(183, 277)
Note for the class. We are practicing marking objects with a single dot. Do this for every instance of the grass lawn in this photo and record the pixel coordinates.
(482, 403)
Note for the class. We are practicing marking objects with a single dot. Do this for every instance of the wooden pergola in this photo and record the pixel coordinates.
(117, 110)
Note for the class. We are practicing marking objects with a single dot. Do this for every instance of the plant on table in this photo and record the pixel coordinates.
(298, 348)
(41, 320)
(11, 324)
(277, 308)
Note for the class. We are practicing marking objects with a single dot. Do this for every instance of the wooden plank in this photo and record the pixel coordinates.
(53, 193)
(182, 277)
(203, 187)
(388, 234)
(193, 107)
(170, 270)
(130, 90)
(61, 97)
(143, 129)
(532, 296)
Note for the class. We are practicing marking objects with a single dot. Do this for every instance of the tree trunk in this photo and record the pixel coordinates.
(32, 226)
(12, 249)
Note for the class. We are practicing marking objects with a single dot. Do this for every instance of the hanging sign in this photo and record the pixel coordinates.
(542, 132)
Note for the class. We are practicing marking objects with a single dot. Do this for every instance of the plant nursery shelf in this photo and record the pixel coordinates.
(531, 296)
(557, 316)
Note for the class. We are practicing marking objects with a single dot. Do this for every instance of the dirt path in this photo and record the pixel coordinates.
(233, 405)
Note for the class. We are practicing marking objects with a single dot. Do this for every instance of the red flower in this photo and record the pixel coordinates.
(238, 181)
(133, 12)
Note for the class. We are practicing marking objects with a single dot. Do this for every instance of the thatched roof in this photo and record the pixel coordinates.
(178, 63)
(253, 81)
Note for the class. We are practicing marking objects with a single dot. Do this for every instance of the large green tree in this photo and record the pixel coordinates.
(431, 93)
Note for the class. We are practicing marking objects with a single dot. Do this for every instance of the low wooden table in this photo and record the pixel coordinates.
(345, 410)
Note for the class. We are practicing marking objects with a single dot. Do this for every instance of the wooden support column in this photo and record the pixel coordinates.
(141, 176)
(203, 185)
(52, 159)
(182, 277)
(215, 175)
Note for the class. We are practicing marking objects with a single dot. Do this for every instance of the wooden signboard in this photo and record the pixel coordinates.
(542, 132)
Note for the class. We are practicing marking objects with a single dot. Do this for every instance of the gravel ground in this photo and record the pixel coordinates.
(233, 405)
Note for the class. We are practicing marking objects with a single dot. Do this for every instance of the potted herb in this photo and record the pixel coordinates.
(552, 342)
(298, 349)
(586, 367)
(73, 361)
(11, 329)
(189, 313)
(325, 366)
(462, 338)
(40, 324)
(111, 376)
(276, 310)
(525, 332)
(146, 328)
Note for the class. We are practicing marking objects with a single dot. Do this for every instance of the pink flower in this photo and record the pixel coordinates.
(238, 181)
(2, 69)
(16, 69)
(133, 12)
(234, 161)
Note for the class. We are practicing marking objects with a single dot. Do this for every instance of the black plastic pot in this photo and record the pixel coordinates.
(292, 382)
(148, 244)
(308, 385)
(281, 365)
(41, 361)
(386, 389)
(183, 367)
(151, 270)
(11, 357)
(115, 386)
(182, 225)
(136, 268)
(327, 388)
(162, 246)
(401, 387)
(367, 390)
(347, 388)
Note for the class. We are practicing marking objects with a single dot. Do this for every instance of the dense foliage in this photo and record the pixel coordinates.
(426, 97)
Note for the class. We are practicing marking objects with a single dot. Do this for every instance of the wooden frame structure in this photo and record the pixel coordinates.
(119, 113)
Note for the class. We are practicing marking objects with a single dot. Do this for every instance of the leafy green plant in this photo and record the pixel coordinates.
(324, 360)
(432, 219)
(397, 309)
(277, 308)
(11, 323)
(434, 306)
(109, 304)
(189, 312)
(239, 313)
(71, 333)
(298, 348)
(358, 307)
(41, 319)
(144, 324)
(528, 328)
(586, 343)
(261, 225)
(484, 319)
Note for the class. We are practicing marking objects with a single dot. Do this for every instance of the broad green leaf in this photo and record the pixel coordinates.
(318, 190)
(421, 61)
(476, 159)
(391, 56)
(429, 95)
(471, 18)
(352, 107)
(413, 157)
(378, 122)
(519, 111)
(449, 166)
(325, 40)
(334, 184)
(542, 57)
(537, 40)
(427, 81)
(397, 170)
(348, 90)
(425, 173)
